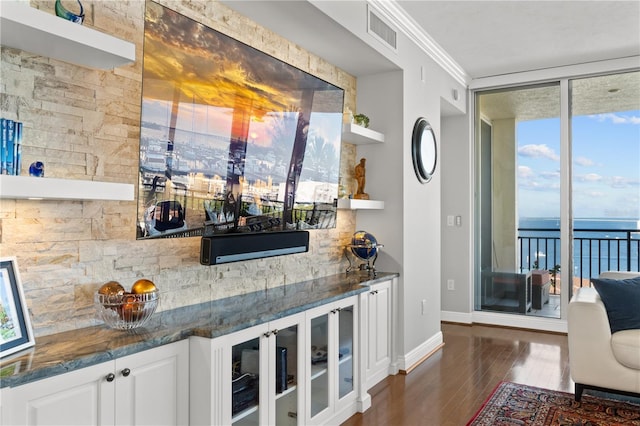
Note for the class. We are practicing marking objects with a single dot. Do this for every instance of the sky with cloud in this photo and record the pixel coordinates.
(605, 161)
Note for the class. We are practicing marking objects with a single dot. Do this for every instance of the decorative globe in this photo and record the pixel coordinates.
(364, 245)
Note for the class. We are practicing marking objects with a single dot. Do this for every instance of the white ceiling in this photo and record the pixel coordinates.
(488, 38)
(485, 38)
(305, 25)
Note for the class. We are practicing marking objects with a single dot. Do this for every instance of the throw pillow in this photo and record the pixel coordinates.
(621, 299)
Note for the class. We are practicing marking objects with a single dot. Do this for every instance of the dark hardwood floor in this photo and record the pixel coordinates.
(450, 386)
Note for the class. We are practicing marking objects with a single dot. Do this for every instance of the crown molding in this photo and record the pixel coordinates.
(609, 66)
(410, 28)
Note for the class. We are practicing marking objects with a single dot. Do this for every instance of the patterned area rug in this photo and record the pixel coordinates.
(514, 404)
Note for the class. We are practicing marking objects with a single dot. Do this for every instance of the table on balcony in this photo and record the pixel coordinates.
(506, 291)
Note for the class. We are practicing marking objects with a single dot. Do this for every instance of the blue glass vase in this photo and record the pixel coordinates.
(36, 169)
(62, 12)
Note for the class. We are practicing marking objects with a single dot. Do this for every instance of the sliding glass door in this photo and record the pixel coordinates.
(605, 129)
(518, 145)
(557, 170)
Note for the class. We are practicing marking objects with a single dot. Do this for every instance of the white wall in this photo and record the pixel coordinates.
(457, 244)
(410, 225)
(380, 98)
(422, 214)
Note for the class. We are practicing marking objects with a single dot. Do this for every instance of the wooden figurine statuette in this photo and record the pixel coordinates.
(360, 174)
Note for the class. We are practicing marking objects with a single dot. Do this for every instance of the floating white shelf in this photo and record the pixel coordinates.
(32, 30)
(358, 135)
(354, 204)
(28, 187)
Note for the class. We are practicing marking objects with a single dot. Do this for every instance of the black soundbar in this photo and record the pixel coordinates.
(236, 247)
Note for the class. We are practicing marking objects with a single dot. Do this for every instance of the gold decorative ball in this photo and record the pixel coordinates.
(143, 286)
(112, 288)
(131, 308)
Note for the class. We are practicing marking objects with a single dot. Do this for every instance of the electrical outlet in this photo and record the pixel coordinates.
(458, 221)
(450, 285)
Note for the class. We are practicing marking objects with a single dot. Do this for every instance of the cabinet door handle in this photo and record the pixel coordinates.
(110, 377)
(269, 333)
(125, 372)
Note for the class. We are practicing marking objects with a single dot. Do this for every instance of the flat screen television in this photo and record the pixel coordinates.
(232, 140)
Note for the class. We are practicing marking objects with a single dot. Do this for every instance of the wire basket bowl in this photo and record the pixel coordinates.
(126, 311)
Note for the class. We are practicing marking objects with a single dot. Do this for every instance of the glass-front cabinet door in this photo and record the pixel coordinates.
(285, 368)
(345, 352)
(245, 382)
(265, 374)
(319, 366)
(331, 359)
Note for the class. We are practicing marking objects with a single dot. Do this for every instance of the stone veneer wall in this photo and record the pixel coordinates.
(84, 124)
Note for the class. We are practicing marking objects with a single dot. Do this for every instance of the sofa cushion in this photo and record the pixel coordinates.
(626, 348)
(621, 299)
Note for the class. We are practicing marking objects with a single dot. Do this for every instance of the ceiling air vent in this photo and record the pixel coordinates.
(382, 31)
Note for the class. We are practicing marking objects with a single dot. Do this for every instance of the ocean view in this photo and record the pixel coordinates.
(599, 244)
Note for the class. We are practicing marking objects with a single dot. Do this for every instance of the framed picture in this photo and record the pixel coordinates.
(15, 327)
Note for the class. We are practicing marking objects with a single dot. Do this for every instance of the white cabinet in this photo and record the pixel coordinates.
(147, 388)
(332, 362)
(156, 392)
(240, 381)
(81, 397)
(377, 325)
(250, 377)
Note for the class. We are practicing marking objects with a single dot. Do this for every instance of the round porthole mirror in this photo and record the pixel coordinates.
(424, 150)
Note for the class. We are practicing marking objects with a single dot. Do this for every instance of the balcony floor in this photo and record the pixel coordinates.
(549, 310)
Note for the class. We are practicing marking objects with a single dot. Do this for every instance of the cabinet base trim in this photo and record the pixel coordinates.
(364, 403)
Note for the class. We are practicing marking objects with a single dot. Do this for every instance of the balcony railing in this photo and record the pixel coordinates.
(594, 250)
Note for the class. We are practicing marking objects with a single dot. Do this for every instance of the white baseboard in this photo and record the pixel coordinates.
(521, 321)
(460, 317)
(408, 361)
(506, 320)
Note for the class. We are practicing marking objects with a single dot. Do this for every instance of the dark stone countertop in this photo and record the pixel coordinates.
(63, 352)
